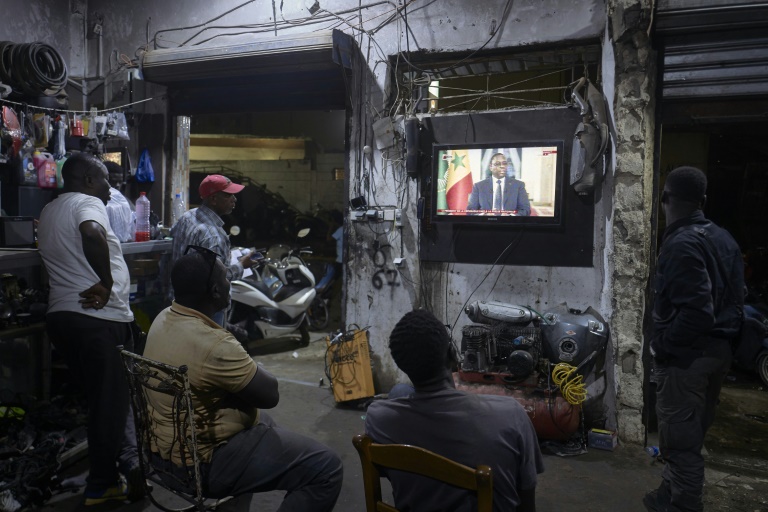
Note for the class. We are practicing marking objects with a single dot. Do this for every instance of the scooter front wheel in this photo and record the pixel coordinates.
(317, 314)
(304, 332)
(762, 367)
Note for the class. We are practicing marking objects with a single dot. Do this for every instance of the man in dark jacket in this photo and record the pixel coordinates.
(699, 296)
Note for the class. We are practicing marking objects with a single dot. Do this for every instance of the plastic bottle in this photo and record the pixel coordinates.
(653, 451)
(178, 209)
(142, 218)
(46, 169)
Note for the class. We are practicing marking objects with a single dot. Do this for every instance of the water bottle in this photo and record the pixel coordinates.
(653, 451)
(178, 209)
(142, 218)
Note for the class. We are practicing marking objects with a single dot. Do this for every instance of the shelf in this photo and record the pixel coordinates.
(149, 246)
(16, 258)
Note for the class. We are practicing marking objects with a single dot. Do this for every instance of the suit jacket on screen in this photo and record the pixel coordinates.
(515, 196)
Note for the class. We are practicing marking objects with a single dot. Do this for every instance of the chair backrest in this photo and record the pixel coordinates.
(403, 457)
(146, 377)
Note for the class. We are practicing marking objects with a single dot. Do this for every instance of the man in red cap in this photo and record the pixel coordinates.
(203, 227)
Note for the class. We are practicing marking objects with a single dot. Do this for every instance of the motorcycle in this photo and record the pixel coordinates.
(272, 302)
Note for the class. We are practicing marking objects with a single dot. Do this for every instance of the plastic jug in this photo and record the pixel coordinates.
(46, 170)
(59, 177)
(142, 218)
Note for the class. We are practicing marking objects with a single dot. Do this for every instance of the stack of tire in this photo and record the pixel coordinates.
(32, 71)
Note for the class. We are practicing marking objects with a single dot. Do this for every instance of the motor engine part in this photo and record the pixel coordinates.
(571, 336)
(492, 312)
(475, 346)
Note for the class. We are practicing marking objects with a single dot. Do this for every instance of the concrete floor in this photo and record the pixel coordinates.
(598, 481)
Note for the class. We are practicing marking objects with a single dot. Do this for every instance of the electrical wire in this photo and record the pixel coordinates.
(494, 32)
(514, 242)
(571, 384)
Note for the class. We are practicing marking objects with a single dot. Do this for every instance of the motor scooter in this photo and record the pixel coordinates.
(272, 302)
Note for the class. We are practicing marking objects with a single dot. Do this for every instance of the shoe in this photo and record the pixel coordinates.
(138, 487)
(115, 493)
(657, 500)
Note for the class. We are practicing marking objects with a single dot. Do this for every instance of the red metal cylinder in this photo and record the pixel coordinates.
(552, 416)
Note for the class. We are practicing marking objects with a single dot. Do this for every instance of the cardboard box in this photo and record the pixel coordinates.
(349, 365)
(602, 439)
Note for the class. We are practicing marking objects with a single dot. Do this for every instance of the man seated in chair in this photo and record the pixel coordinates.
(242, 449)
(467, 428)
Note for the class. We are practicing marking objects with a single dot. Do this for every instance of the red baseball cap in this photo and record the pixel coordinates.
(217, 183)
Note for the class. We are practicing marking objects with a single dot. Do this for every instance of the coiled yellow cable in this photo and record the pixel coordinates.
(570, 383)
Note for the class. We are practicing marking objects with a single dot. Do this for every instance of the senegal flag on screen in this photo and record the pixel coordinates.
(455, 178)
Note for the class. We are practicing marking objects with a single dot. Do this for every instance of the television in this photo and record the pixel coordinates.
(119, 156)
(505, 183)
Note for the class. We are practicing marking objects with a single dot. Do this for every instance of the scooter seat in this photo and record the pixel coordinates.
(263, 288)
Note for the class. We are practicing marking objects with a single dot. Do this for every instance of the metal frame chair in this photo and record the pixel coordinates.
(145, 376)
(423, 462)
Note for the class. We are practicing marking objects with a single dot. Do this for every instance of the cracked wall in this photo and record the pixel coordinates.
(630, 238)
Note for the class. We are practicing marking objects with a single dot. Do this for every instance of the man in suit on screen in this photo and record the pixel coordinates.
(499, 192)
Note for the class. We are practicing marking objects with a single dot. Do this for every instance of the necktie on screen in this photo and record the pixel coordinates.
(497, 196)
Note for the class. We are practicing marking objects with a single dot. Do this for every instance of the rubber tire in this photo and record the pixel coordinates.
(304, 332)
(317, 315)
(762, 367)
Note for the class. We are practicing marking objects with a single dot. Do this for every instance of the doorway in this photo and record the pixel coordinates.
(733, 155)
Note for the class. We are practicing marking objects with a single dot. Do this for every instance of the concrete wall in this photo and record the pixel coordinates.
(324, 128)
(27, 21)
(617, 283)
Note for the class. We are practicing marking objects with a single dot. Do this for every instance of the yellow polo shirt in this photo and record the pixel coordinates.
(218, 366)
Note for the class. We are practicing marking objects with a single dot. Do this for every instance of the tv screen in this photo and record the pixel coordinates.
(503, 183)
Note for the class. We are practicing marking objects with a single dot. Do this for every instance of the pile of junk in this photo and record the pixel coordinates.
(38, 438)
(37, 442)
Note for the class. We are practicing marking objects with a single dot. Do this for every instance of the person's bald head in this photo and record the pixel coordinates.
(86, 174)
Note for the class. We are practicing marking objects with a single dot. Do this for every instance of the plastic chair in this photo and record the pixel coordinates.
(146, 376)
(403, 457)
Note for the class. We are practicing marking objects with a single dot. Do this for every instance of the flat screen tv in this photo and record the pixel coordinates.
(503, 183)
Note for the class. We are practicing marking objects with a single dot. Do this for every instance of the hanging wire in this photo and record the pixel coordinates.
(65, 111)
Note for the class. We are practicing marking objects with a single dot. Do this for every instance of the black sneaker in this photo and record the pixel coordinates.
(657, 500)
(137, 484)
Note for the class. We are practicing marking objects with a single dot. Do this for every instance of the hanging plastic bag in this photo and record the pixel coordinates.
(122, 126)
(111, 130)
(144, 172)
(59, 138)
